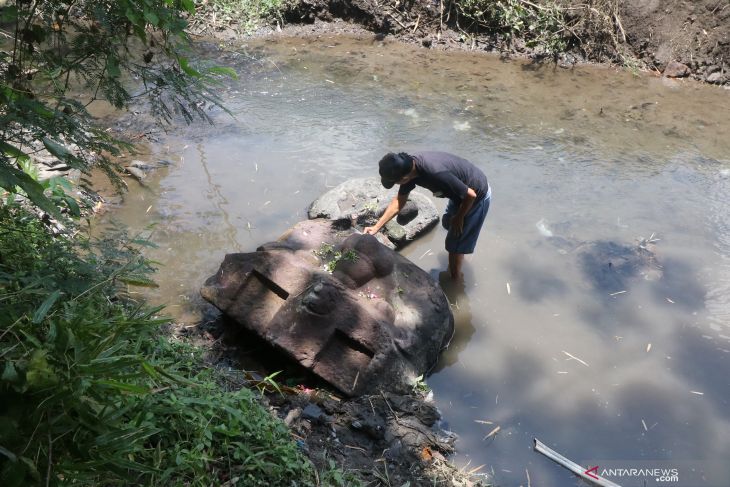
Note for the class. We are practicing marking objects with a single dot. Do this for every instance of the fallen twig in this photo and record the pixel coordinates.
(573, 357)
(572, 466)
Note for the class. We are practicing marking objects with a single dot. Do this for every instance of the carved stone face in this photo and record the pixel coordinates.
(376, 321)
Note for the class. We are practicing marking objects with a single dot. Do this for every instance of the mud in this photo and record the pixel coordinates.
(377, 439)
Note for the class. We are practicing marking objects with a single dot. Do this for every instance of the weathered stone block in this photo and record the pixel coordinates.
(350, 309)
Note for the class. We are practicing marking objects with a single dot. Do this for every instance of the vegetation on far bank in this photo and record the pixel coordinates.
(549, 27)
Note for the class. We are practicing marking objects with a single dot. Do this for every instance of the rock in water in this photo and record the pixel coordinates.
(346, 307)
(366, 200)
(676, 69)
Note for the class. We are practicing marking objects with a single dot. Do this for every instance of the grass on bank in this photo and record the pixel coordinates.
(243, 16)
(92, 393)
(552, 27)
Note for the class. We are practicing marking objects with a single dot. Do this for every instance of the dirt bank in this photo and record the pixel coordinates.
(693, 32)
(641, 34)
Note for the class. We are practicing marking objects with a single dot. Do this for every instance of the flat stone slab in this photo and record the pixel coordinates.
(344, 306)
(365, 200)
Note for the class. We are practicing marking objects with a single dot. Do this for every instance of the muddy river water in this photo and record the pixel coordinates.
(621, 374)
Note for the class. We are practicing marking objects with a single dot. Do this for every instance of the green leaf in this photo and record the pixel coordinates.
(150, 370)
(112, 68)
(72, 205)
(132, 16)
(138, 281)
(8, 14)
(224, 71)
(123, 386)
(151, 18)
(185, 66)
(11, 177)
(189, 6)
(56, 149)
(43, 309)
(13, 151)
(9, 374)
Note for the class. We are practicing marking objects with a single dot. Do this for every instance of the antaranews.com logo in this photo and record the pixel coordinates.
(659, 475)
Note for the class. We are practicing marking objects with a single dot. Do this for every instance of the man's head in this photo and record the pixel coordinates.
(394, 167)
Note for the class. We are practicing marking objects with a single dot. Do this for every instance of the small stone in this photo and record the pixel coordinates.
(395, 231)
(292, 415)
(356, 425)
(312, 412)
(716, 78)
(676, 69)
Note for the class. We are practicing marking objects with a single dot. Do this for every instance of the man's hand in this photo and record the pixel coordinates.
(457, 221)
(457, 225)
(370, 231)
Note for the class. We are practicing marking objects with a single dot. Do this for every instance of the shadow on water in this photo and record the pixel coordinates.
(455, 292)
(534, 284)
(679, 283)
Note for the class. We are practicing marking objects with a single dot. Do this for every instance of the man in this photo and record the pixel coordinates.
(447, 176)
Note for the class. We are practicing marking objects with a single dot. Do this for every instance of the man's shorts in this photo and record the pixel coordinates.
(473, 221)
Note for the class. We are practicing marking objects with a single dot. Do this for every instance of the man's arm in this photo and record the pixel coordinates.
(457, 221)
(394, 207)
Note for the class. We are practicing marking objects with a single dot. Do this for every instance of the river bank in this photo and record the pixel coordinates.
(678, 38)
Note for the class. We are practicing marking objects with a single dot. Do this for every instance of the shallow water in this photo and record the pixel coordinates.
(607, 372)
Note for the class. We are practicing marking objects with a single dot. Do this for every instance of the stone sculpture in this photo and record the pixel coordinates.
(353, 311)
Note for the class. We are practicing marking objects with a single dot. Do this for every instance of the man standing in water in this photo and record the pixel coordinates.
(447, 176)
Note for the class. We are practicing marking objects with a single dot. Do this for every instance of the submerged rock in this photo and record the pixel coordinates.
(365, 200)
(609, 266)
(351, 310)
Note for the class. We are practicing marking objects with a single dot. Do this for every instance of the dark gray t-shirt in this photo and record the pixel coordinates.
(447, 176)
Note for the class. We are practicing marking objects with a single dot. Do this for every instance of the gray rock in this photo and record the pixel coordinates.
(377, 321)
(313, 412)
(676, 69)
(716, 78)
(395, 232)
(366, 200)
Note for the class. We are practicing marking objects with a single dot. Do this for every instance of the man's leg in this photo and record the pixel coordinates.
(455, 262)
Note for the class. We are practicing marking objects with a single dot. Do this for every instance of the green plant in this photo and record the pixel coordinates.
(540, 25)
(93, 395)
(331, 257)
(553, 26)
(333, 476)
(242, 15)
(420, 385)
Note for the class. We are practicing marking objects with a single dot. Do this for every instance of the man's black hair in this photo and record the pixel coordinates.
(393, 167)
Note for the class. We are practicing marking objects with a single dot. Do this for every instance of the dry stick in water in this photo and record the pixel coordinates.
(573, 357)
(572, 466)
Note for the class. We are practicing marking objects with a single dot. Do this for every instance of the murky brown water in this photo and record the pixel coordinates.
(544, 348)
